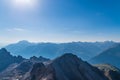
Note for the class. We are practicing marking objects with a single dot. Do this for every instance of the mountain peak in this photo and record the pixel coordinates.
(3, 49)
(23, 42)
(7, 59)
(66, 67)
(68, 55)
(4, 52)
(38, 59)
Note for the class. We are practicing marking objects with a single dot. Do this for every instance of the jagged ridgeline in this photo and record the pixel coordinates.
(6, 59)
(65, 67)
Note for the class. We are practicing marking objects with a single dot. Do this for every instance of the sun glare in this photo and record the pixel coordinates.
(24, 3)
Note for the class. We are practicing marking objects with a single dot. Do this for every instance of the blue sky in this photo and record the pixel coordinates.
(60, 21)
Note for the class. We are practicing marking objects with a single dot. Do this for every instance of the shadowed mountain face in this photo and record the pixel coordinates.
(110, 56)
(66, 67)
(85, 50)
(7, 59)
(19, 71)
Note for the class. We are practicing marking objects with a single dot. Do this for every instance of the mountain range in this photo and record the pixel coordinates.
(65, 67)
(104, 57)
(84, 50)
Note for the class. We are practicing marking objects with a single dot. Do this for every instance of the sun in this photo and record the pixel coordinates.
(24, 3)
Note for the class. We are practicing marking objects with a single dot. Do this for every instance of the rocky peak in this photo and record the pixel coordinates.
(66, 67)
(3, 51)
(7, 59)
(23, 42)
(34, 58)
(38, 59)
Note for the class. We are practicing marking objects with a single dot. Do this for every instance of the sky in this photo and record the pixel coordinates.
(59, 20)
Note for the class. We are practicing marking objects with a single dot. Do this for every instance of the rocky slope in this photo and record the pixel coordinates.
(111, 72)
(66, 67)
(13, 67)
(7, 59)
(19, 71)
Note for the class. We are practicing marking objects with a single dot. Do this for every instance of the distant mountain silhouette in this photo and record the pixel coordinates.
(7, 59)
(85, 50)
(110, 56)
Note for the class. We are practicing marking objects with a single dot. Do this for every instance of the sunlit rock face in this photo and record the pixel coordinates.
(110, 71)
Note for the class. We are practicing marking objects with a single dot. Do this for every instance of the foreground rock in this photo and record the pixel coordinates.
(66, 67)
(19, 71)
(6, 59)
(111, 72)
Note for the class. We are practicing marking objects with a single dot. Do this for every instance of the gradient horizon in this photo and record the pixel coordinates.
(60, 21)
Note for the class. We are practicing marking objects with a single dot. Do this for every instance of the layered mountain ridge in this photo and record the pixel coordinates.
(84, 50)
(65, 67)
(110, 56)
